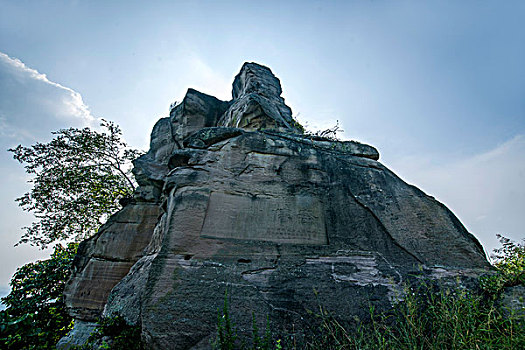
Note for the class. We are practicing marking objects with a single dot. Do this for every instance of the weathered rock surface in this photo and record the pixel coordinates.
(257, 102)
(106, 258)
(233, 198)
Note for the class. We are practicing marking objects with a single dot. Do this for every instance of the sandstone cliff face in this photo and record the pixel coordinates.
(232, 197)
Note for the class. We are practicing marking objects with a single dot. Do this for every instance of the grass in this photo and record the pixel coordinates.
(426, 319)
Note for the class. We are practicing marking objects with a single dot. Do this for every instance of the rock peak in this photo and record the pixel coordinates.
(256, 78)
(257, 103)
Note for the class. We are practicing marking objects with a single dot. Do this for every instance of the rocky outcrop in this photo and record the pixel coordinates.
(233, 198)
(257, 102)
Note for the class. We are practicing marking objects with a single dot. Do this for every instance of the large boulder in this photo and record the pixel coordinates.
(234, 200)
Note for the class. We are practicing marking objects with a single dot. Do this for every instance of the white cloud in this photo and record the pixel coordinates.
(31, 105)
(485, 191)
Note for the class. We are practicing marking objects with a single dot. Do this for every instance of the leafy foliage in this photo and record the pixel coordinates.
(35, 317)
(78, 179)
(509, 261)
(116, 334)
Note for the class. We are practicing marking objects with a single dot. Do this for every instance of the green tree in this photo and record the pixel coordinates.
(36, 317)
(78, 179)
(509, 261)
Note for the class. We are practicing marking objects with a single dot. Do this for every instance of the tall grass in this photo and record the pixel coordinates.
(426, 319)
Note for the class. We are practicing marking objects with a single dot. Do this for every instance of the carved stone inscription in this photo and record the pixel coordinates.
(290, 219)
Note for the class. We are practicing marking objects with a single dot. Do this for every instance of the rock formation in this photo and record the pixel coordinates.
(233, 197)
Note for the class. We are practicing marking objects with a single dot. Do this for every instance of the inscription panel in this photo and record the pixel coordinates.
(289, 219)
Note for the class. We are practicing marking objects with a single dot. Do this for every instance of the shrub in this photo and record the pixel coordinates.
(509, 261)
(35, 316)
(116, 334)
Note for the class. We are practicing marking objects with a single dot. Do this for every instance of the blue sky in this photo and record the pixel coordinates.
(437, 86)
